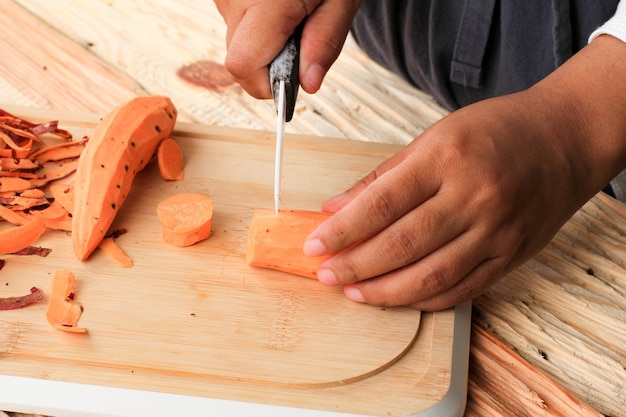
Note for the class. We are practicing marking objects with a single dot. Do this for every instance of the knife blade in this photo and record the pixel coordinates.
(284, 83)
(280, 135)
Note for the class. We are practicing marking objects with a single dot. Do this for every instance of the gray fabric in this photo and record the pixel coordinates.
(527, 39)
(414, 39)
(561, 31)
(471, 43)
(619, 186)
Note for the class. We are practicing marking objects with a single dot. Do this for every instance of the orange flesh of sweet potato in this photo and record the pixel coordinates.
(111, 248)
(57, 170)
(276, 242)
(12, 216)
(10, 164)
(59, 151)
(16, 238)
(63, 311)
(14, 184)
(186, 218)
(120, 146)
(170, 160)
(63, 194)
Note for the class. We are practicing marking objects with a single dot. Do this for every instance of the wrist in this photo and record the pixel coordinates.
(586, 111)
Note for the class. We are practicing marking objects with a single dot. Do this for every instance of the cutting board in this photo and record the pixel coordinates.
(199, 321)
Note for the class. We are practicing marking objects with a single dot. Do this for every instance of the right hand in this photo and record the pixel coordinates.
(258, 30)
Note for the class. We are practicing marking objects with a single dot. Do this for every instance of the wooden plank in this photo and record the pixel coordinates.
(528, 392)
(148, 42)
(199, 321)
(45, 69)
(565, 310)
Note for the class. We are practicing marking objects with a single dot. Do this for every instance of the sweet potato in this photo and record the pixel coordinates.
(55, 216)
(11, 163)
(276, 241)
(186, 218)
(14, 217)
(120, 146)
(16, 238)
(170, 160)
(14, 184)
(63, 194)
(63, 311)
(59, 151)
(111, 248)
(55, 171)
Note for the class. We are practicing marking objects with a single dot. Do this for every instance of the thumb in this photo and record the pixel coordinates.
(323, 37)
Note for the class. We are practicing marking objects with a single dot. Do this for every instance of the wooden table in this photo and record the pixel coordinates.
(549, 339)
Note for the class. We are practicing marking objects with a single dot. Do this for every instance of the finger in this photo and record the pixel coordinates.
(470, 287)
(257, 39)
(431, 276)
(323, 38)
(420, 232)
(335, 203)
(387, 198)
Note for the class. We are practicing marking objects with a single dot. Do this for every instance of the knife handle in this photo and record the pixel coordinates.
(285, 67)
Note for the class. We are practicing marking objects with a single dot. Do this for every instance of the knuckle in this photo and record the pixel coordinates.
(382, 203)
(432, 282)
(349, 271)
(402, 246)
(235, 66)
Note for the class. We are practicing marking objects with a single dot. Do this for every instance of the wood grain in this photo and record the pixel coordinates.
(565, 310)
(147, 42)
(196, 320)
(496, 365)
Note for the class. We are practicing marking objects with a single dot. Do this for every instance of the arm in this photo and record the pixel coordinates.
(482, 190)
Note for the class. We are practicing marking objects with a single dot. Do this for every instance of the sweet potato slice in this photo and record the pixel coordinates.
(186, 218)
(170, 160)
(63, 311)
(16, 238)
(63, 194)
(276, 241)
(14, 184)
(111, 248)
(14, 217)
(59, 151)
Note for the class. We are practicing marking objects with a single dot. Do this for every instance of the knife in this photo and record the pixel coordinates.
(285, 83)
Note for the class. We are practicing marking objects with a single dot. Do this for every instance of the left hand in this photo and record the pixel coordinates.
(474, 196)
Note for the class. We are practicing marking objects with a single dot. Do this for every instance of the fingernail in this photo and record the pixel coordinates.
(313, 77)
(326, 277)
(353, 294)
(314, 247)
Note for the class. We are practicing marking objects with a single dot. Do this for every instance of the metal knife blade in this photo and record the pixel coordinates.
(280, 135)
(285, 83)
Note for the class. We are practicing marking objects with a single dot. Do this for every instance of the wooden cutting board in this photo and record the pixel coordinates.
(198, 320)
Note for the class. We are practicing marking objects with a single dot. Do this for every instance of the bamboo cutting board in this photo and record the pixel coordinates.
(198, 320)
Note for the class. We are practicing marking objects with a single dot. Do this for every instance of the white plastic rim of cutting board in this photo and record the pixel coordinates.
(62, 399)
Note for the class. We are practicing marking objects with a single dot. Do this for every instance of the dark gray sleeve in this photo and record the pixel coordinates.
(463, 51)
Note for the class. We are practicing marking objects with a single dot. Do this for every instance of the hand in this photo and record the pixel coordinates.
(478, 193)
(258, 30)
